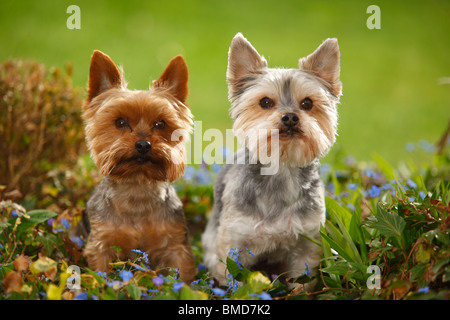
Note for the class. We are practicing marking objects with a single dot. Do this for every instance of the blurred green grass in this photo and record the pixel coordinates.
(390, 76)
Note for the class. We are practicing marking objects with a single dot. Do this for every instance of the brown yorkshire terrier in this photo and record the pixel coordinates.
(137, 140)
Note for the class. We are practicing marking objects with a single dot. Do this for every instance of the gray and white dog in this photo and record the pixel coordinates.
(266, 213)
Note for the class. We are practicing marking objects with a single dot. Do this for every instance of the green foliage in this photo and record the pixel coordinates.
(401, 226)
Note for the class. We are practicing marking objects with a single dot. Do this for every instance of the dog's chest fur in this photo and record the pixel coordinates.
(269, 212)
(133, 203)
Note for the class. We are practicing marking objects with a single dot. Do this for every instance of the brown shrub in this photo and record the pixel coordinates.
(40, 123)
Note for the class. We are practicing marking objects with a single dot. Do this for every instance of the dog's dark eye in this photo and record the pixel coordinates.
(122, 123)
(306, 104)
(160, 125)
(266, 103)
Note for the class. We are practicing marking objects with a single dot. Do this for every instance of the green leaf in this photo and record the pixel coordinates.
(240, 274)
(187, 293)
(336, 247)
(353, 252)
(233, 267)
(242, 292)
(328, 258)
(389, 224)
(333, 206)
(36, 216)
(49, 240)
(109, 294)
(134, 291)
(358, 235)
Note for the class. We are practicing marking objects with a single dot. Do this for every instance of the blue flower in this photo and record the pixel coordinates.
(374, 191)
(216, 168)
(410, 147)
(232, 283)
(65, 223)
(177, 286)
(158, 281)
(424, 290)
(189, 173)
(14, 213)
(234, 254)
(251, 253)
(422, 195)
(218, 292)
(126, 275)
(263, 296)
(81, 296)
(389, 187)
(144, 255)
(115, 284)
(201, 267)
(307, 272)
(370, 174)
(426, 146)
(102, 274)
(412, 184)
(204, 177)
(140, 268)
(77, 240)
(324, 169)
(352, 186)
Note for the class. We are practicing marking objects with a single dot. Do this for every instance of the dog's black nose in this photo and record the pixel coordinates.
(289, 119)
(143, 146)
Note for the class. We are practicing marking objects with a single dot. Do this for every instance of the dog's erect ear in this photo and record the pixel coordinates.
(103, 75)
(243, 59)
(325, 63)
(175, 79)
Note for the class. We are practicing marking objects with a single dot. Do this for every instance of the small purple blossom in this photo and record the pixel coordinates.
(158, 281)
